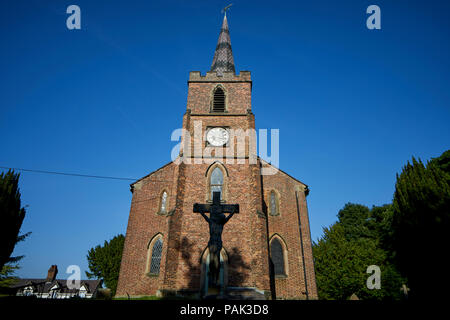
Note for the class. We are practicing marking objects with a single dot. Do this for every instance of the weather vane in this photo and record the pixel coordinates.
(224, 10)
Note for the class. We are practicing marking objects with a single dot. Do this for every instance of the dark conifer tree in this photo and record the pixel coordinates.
(421, 225)
(11, 216)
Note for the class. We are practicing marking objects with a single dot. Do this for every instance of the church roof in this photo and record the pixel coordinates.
(223, 56)
(264, 162)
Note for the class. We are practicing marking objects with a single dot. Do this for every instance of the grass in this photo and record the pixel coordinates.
(140, 298)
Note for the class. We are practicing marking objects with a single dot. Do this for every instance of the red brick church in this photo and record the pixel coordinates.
(266, 247)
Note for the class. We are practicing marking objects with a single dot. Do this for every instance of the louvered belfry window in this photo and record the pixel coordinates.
(276, 253)
(156, 257)
(219, 100)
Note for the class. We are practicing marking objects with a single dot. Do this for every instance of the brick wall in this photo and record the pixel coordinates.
(286, 226)
(143, 224)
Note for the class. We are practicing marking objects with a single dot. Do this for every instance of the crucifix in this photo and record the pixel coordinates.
(216, 221)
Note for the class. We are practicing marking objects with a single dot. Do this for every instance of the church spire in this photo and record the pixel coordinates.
(223, 57)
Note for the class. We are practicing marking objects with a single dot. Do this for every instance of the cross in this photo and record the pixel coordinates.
(218, 208)
(405, 290)
(216, 221)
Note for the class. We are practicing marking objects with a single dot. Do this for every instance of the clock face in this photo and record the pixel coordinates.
(217, 136)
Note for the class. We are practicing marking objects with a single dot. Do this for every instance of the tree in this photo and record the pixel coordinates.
(11, 216)
(443, 162)
(353, 218)
(348, 247)
(421, 224)
(6, 276)
(104, 262)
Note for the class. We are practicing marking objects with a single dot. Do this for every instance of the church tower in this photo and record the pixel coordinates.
(266, 247)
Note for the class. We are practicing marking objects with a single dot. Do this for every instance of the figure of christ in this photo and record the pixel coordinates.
(216, 221)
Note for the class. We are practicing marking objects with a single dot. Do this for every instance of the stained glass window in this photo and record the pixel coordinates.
(156, 256)
(276, 252)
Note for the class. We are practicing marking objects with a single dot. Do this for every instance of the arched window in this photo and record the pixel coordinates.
(163, 202)
(218, 100)
(216, 182)
(155, 260)
(274, 204)
(205, 279)
(277, 257)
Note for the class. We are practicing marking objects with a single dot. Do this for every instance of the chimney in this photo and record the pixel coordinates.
(52, 272)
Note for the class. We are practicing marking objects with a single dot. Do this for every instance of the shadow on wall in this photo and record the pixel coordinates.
(236, 270)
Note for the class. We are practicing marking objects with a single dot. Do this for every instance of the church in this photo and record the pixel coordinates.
(267, 249)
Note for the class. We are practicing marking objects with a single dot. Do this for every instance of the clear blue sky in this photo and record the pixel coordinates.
(352, 105)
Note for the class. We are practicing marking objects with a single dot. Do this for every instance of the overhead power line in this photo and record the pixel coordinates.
(69, 174)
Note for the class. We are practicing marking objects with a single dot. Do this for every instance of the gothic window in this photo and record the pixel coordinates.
(277, 256)
(273, 202)
(219, 100)
(163, 204)
(216, 182)
(155, 260)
